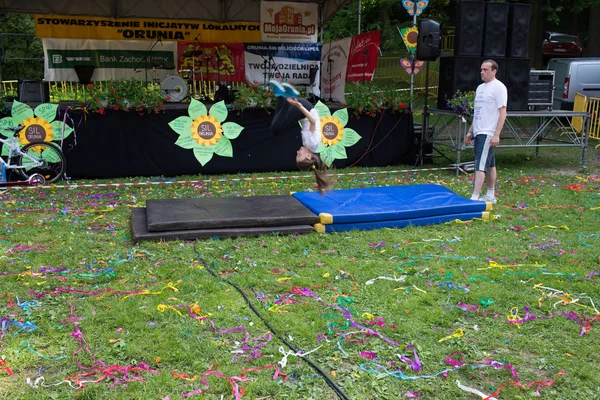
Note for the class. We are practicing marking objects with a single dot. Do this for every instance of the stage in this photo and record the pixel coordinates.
(125, 144)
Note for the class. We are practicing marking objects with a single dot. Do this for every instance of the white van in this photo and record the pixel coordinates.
(574, 75)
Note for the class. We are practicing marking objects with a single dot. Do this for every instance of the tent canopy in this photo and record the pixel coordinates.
(203, 10)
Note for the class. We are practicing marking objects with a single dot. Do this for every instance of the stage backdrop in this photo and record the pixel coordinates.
(125, 144)
(362, 59)
(334, 60)
(291, 62)
(113, 59)
(289, 22)
(217, 61)
(83, 27)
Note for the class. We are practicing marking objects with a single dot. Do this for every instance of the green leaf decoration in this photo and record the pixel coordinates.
(49, 155)
(196, 109)
(339, 152)
(4, 122)
(321, 147)
(350, 137)
(219, 111)
(4, 152)
(327, 156)
(223, 147)
(187, 141)
(203, 154)
(46, 111)
(322, 109)
(342, 115)
(181, 125)
(20, 112)
(57, 130)
(231, 130)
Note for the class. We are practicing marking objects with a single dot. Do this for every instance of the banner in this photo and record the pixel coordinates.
(282, 21)
(362, 60)
(334, 59)
(169, 30)
(292, 62)
(112, 59)
(219, 62)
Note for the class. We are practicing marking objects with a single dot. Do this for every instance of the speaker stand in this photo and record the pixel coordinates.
(425, 128)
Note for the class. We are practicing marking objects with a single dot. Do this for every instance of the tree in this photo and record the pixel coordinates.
(20, 46)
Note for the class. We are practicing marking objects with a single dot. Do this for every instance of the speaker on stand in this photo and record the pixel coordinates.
(84, 74)
(516, 80)
(496, 21)
(468, 40)
(518, 30)
(457, 73)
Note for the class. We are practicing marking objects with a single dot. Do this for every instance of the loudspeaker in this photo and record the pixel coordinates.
(33, 91)
(516, 80)
(468, 40)
(496, 25)
(457, 73)
(518, 30)
(84, 73)
(429, 41)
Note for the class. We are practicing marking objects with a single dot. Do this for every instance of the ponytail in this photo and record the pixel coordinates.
(319, 168)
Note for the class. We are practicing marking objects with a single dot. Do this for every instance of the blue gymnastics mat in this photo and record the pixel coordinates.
(389, 203)
(401, 223)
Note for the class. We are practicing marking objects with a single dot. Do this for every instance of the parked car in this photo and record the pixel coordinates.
(573, 75)
(560, 45)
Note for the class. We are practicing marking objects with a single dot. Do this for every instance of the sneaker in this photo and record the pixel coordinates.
(290, 90)
(489, 199)
(278, 89)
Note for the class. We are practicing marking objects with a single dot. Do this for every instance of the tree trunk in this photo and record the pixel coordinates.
(592, 47)
(536, 33)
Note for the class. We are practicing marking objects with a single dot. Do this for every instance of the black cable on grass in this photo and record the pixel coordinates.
(328, 380)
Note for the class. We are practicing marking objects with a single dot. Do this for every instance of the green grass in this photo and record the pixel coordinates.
(86, 231)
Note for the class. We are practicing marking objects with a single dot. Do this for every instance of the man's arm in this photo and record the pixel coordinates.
(501, 118)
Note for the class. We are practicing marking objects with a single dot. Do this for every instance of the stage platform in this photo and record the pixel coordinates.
(120, 144)
(336, 211)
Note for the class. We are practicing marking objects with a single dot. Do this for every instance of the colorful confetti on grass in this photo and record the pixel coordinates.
(86, 312)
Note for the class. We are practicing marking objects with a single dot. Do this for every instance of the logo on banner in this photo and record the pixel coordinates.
(288, 21)
(335, 137)
(39, 124)
(204, 132)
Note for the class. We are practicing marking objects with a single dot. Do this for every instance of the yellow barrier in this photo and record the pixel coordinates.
(594, 110)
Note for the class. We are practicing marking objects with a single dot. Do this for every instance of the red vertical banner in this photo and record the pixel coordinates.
(362, 60)
(211, 61)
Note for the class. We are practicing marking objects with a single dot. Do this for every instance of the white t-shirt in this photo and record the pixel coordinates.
(310, 139)
(489, 98)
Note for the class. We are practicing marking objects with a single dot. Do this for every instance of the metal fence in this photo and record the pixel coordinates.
(594, 109)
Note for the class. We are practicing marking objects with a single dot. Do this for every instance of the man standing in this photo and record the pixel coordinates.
(488, 120)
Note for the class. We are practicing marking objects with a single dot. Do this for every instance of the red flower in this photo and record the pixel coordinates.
(90, 85)
(403, 105)
(116, 108)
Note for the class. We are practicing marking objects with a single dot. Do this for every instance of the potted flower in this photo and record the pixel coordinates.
(462, 104)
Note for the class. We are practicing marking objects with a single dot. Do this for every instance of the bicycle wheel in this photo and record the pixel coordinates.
(47, 159)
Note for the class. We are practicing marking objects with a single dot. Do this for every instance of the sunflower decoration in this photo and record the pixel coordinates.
(38, 125)
(204, 132)
(410, 37)
(335, 137)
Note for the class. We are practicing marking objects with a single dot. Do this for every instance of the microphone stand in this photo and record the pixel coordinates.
(202, 83)
(145, 59)
(266, 65)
